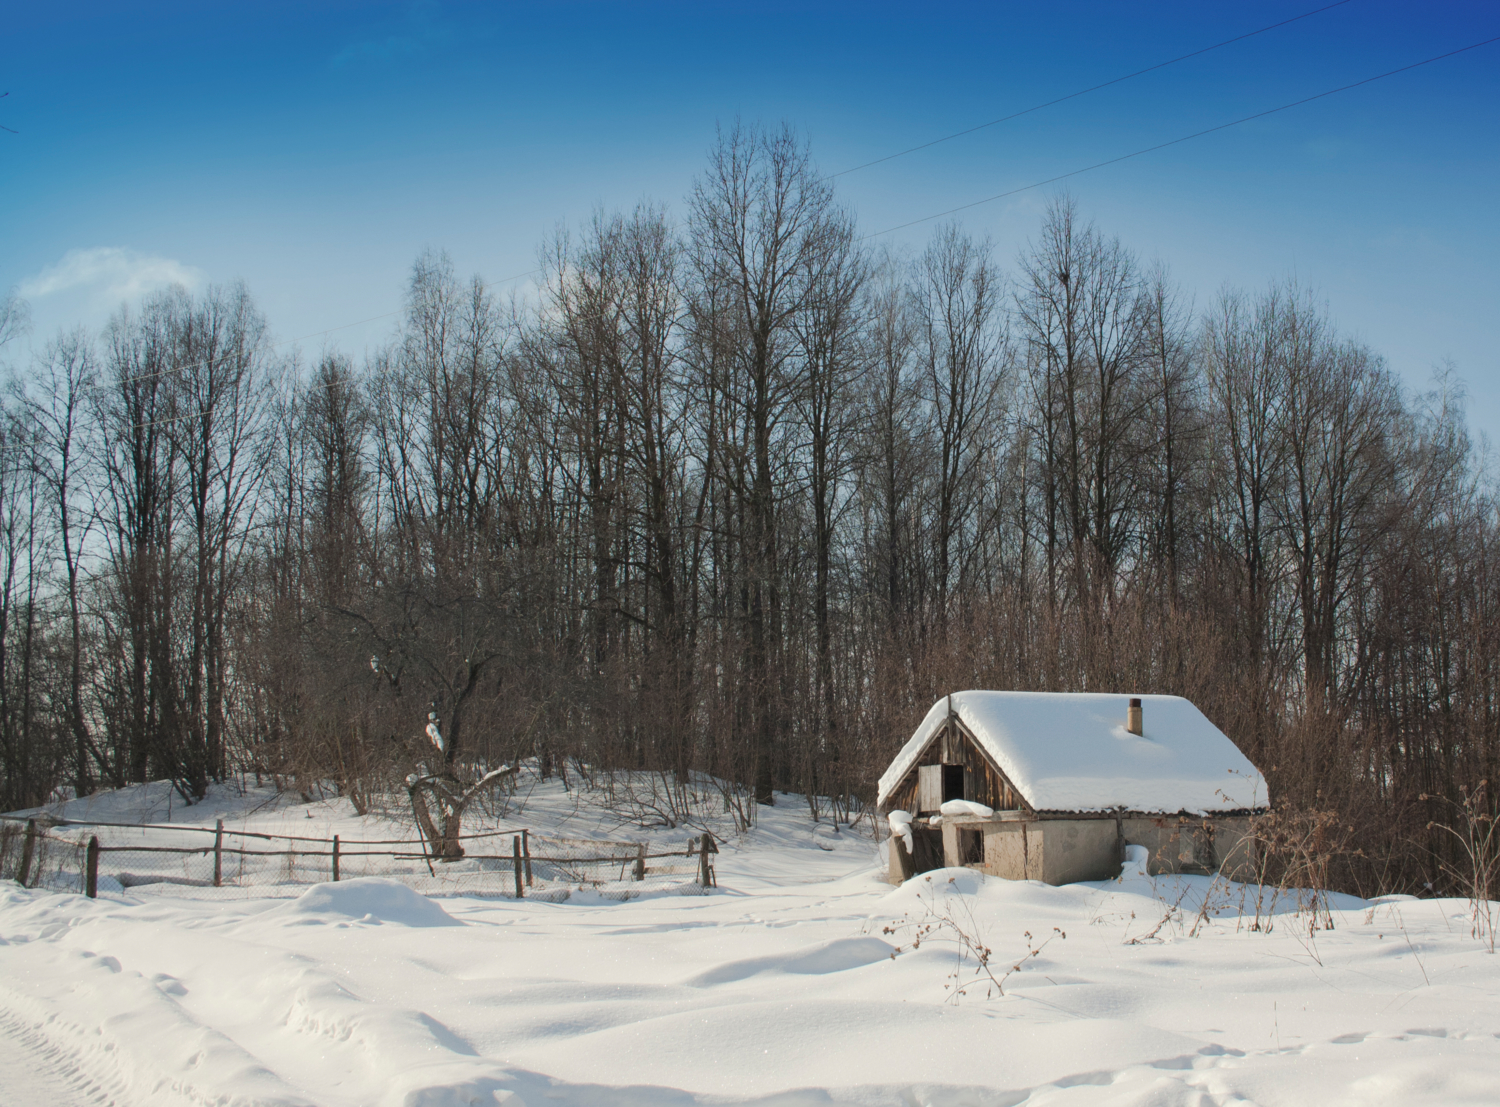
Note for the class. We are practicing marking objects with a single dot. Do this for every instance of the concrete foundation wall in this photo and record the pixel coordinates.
(1063, 851)
(1080, 849)
(899, 867)
(1176, 845)
(1012, 851)
(1234, 848)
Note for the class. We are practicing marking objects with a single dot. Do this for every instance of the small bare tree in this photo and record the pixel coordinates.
(1477, 870)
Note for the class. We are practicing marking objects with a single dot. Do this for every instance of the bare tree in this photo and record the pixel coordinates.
(962, 357)
(1175, 413)
(1248, 391)
(1081, 321)
(63, 381)
(225, 387)
(1341, 416)
(28, 762)
(888, 455)
(136, 408)
(15, 318)
(442, 610)
(758, 227)
(828, 331)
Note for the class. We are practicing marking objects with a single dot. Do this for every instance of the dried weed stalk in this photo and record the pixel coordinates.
(1479, 852)
(1295, 851)
(951, 920)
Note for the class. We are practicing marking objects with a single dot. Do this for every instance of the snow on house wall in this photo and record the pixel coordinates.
(1071, 752)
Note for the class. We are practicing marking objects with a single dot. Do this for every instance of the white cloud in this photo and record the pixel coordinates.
(110, 274)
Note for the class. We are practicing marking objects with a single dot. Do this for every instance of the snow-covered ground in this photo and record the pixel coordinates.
(779, 988)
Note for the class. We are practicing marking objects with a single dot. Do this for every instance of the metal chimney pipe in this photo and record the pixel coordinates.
(1133, 716)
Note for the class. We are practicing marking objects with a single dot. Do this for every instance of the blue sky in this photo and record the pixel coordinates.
(314, 149)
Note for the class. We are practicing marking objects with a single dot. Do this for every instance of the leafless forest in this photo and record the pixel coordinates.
(740, 493)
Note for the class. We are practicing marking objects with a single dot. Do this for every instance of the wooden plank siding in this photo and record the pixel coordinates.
(983, 781)
(904, 798)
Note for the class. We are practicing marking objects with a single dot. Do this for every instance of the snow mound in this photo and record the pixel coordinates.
(961, 881)
(160, 802)
(900, 823)
(1149, 999)
(838, 955)
(966, 807)
(369, 899)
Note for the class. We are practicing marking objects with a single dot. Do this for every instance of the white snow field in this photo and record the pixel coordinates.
(778, 988)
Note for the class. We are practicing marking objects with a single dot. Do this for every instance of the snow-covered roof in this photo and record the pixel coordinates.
(1071, 752)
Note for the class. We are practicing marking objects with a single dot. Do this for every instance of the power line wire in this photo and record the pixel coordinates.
(1184, 138)
(961, 207)
(854, 169)
(1091, 88)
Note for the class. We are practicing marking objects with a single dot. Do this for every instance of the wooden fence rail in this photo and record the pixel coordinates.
(565, 860)
(191, 828)
(631, 857)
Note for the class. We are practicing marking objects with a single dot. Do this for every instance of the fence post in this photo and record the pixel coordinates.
(219, 852)
(516, 865)
(703, 860)
(335, 858)
(526, 854)
(91, 874)
(640, 860)
(27, 851)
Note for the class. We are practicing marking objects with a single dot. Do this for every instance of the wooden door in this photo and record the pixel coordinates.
(929, 788)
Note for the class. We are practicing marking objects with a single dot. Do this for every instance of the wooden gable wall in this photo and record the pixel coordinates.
(983, 781)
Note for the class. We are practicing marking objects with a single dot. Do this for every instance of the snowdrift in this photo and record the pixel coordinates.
(798, 982)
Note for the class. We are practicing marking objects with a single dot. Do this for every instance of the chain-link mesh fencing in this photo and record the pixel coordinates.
(220, 862)
(35, 857)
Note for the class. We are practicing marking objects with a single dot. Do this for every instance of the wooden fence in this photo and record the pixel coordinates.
(44, 851)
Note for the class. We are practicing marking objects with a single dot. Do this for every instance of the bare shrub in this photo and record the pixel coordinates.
(1478, 862)
(1296, 851)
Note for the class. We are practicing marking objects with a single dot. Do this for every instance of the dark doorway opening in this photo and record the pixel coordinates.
(927, 849)
(953, 783)
(970, 847)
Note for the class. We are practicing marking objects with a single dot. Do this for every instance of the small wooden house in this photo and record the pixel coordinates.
(1053, 787)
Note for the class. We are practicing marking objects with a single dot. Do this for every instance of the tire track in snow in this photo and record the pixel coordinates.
(137, 1046)
(39, 1070)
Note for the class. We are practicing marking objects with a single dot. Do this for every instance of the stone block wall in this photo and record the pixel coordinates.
(1063, 850)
